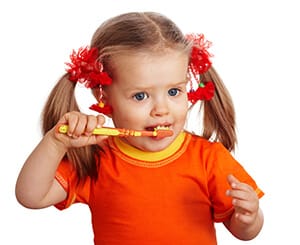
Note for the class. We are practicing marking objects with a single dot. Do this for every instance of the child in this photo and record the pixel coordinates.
(167, 189)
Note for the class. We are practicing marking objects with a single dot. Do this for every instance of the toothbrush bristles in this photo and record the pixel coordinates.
(163, 133)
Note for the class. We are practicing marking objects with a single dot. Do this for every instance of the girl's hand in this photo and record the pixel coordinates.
(244, 200)
(80, 128)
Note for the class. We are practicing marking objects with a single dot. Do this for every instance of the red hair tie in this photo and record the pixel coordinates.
(199, 64)
(85, 68)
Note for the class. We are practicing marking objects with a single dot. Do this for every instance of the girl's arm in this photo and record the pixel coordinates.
(247, 219)
(36, 186)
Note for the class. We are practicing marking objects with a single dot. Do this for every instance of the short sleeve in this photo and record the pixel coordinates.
(220, 165)
(67, 178)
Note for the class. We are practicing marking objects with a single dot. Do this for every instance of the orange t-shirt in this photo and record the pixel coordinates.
(168, 197)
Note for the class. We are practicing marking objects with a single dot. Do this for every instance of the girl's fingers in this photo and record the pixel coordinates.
(238, 194)
(92, 123)
(243, 196)
(71, 120)
(232, 179)
(80, 124)
(100, 120)
(238, 185)
(244, 217)
(245, 206)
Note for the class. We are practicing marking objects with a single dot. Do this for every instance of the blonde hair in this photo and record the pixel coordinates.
(138, 31)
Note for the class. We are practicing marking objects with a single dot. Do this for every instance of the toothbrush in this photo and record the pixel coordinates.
(121, 132)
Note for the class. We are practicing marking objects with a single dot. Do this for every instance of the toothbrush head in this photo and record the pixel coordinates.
(162, 131)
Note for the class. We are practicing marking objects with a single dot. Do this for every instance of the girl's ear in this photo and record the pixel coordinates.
(96, 93)
(105, 100)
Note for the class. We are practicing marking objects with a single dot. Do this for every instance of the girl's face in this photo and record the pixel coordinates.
(149, 90)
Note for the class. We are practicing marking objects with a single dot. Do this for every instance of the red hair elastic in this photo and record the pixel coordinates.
(88, 70)
(199, 64)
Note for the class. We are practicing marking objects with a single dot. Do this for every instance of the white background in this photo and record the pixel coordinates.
(256, 51)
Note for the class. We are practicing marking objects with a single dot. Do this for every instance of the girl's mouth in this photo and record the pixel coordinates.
(160, 131)
(159, 127)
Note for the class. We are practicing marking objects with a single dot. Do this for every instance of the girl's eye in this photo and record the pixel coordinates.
(173, 91)
(140, 96)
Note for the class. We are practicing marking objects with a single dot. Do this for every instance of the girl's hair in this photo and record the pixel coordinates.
(139, 31)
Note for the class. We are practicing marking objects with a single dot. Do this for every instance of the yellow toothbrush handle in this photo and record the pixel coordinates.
(106, 131)
(100, 131)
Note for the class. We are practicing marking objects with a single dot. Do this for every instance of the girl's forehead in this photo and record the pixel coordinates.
(141, 67)
(149, 53)
(135, 58)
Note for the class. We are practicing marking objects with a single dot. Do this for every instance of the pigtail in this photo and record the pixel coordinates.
(60, 101)
(219, 114)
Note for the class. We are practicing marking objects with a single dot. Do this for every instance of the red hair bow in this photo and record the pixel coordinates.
(88, 70)
(204, 92)
(85, 68)
(199, 64)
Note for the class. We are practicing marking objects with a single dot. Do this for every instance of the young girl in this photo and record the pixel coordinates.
(167, 188)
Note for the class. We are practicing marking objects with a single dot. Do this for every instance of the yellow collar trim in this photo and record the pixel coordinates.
(150, 156)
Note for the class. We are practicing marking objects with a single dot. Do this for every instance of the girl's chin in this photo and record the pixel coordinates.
(155, 144)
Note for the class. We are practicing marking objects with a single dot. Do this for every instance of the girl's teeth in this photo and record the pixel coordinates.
(161, 128)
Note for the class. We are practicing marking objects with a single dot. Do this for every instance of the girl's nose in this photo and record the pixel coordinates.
(160, 108)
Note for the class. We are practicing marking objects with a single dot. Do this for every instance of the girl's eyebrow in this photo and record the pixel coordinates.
(183, 81)
(180, 83)
(141, 87)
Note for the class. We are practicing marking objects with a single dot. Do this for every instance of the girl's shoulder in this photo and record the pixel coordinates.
(208, 150)
(204, 143)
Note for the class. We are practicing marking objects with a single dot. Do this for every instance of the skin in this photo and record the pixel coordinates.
(147, 91)
(247, 219)
(148, 95)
